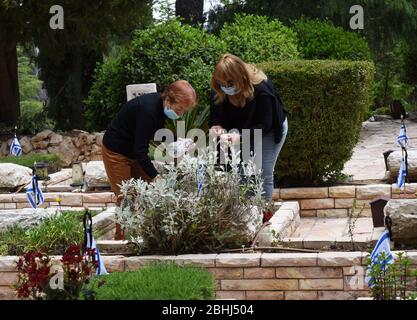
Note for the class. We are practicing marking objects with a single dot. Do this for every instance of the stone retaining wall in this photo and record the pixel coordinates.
(313, 202)
(337, 201)
(76, 145)
(91, 200)
(253, 276)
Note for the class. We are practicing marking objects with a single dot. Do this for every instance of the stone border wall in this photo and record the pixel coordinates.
(68, 200)
(319, 202)
(255, 276)
(334, 202)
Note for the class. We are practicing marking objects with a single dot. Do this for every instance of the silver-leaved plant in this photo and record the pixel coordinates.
(197, 207)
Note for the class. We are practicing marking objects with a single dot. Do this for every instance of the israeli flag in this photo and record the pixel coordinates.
(91, 244)
(15, 147)
(402, 139)
(200, 178)
(34, 193)
(402, 174)
(383, 245)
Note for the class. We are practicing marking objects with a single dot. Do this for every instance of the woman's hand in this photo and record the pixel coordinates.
(231, 138)
(216, 131)
(158, 177)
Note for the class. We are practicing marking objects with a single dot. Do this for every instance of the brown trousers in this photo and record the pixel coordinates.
(118, 169)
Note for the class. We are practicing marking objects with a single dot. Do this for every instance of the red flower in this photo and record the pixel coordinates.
(72, 255)
(35, 271)
(23, 291)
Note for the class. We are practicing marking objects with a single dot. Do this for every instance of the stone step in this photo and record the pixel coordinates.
(116, 247)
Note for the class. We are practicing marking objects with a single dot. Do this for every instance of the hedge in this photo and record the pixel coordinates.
(259, 38)
(323, 40)
(327, 101)
(161, 54)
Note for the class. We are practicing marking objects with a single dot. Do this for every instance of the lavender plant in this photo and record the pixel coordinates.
(198, 206)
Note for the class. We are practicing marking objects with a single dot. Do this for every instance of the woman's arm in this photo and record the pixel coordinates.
(216, 113)
(263, 114)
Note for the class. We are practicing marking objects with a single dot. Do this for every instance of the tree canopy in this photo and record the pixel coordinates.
(67, 57)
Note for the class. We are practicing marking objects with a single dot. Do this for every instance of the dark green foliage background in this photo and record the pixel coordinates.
(161, 54)
(323, 40)
(259, 38)
(327, 101)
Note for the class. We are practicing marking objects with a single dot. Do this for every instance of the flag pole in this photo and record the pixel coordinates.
(404, 153)
(34, 184)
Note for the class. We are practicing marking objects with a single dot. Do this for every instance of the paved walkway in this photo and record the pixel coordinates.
(367, 163)
(333, 233)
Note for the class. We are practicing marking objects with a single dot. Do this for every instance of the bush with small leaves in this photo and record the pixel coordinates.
(258, 39)
(174, 216)
(162, 53)
(323, 40)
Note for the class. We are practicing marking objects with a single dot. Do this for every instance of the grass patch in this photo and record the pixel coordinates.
(167, 281)
(53, 235)
(27, 160)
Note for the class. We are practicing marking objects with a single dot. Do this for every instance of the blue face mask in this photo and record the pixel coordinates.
(171, 113)
(230, 91)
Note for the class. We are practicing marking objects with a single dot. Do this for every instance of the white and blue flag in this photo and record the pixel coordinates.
(91, 244)
(402, 174)
(200, 178)
(15, 147)
(382, 246)
(402, 139)
(34, 193)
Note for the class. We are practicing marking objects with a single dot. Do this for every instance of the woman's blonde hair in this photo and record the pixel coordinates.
(244, 76)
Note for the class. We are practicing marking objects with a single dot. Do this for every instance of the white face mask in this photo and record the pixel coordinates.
(230, 91)
(171, 114)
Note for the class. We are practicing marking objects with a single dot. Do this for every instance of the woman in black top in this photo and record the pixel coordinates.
(244, 98)
(126, 141)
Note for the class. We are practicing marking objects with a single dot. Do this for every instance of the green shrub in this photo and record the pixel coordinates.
(28, 160)
(170, 216)
(327, 101)
(12, 241)
(410, 107)
(323, 40)
(382, 111)
(162, 54)
(53, 235)
(158, 282)
(33, 118)
(258, 38)
(32, 115)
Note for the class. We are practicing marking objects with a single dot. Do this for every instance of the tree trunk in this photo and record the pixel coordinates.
(76, 85)
(190, 10)
(9, 85)
(68, 82)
